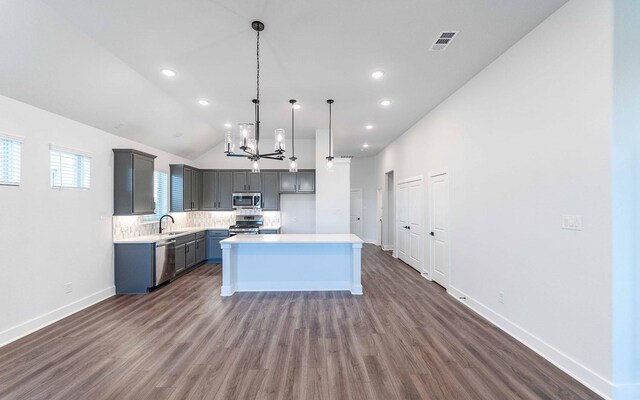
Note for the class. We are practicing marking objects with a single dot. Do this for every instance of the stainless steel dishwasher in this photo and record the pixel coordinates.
(165, 261)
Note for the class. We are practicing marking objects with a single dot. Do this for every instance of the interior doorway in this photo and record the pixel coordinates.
(356, 212)
(410, 222)
(379, 214)
(439, 228)
(388, 215)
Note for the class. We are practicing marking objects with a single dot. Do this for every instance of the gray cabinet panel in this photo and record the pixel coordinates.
(201, 250)
(190, 255)
(196, 189)
(270, 191)
(306, 181)
(143, 185)
(214, 251)
(288, 182)
(225, 190)
(255, 182)
(134, 267)
(186, 189)
(240, 183)
(209, 190)
(132, 182)
(181, 259)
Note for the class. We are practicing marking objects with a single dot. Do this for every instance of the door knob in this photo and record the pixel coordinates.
(431, 233)
(408, 227)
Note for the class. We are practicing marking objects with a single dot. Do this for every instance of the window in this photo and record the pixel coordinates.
(69, 168)
(160, 196)
(10, 151)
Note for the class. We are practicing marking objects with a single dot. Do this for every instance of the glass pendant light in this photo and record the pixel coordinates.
(255, 166)
(330, 156)
(293, 166)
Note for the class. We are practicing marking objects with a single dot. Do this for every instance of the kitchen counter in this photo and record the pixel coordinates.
(183, 232)
(302, 262)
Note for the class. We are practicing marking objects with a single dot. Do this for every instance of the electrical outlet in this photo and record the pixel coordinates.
(572, 222)
(68, 287)
(501, 297)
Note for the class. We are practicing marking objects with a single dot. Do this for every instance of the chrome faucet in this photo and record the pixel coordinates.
(160, 222)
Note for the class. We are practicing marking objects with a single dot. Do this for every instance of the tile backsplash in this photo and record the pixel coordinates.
(125, 227)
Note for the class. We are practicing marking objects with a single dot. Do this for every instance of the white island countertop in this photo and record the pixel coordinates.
(339, 238)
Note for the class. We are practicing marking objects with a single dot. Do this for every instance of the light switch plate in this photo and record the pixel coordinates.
(572, 222)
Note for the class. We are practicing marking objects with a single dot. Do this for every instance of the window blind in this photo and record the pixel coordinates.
(69, 169)
(10, 154)
(160, 195)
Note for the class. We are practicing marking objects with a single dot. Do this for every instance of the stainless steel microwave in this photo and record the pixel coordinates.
(247, 200)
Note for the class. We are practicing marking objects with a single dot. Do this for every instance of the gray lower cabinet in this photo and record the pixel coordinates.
(214, 251)
(270, 191)
(181, 260)
(134, 267)
(269, 231)
(201, 250)
(298, 182)
(190, 255)
(133, 182)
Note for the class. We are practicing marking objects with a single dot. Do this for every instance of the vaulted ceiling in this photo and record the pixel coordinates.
(99, 62)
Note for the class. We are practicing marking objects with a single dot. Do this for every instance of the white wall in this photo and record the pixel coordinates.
(298, 213)
(216, 159)
(363, 178)
(525, 141)
(51, 237)
(333, 190)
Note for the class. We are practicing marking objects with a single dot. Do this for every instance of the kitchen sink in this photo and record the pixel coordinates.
(173, 233)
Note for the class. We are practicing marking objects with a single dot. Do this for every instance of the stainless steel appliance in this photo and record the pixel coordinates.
(248, 222)
(247, 200)
(165, 261)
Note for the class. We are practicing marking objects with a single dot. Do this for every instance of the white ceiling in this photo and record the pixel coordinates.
(99, 62)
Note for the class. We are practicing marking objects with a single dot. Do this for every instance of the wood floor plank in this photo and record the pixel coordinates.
(406, 338)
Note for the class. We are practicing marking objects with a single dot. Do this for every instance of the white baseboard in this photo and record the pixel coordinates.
(16, 332)
(581, 373)
(387, 247)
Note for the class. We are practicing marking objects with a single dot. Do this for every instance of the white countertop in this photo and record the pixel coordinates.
(293, 239)
(183, 232)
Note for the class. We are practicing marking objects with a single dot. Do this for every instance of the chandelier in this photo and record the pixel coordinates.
(249, 133)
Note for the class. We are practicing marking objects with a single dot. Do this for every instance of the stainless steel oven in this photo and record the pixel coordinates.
(247, 200)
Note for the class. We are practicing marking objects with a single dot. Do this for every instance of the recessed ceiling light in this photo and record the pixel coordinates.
(377, 74)
(365, 145)
(228, 125)
(385, 103)
(168, 72)
(369, 126)
(296, 106)
(203, 102)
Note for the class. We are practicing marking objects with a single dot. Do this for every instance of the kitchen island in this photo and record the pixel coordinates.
(301, 262)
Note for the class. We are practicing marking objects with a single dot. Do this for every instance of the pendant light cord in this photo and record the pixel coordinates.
(330, 152)
(293, 142)
(258, 65)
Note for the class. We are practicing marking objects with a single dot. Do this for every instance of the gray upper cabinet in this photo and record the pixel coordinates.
(306, 181)
(246, 181)
(133, 182)
(270, 191)
(298, 182)
(288, 182)
(186, 188)
(217, 189)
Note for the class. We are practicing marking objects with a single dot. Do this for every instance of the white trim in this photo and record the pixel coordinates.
(16, 332)
(15, 138)
(71, 150)
(410, 179)
(579, 372)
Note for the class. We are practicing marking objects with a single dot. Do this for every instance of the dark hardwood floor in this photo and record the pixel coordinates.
(404, 339)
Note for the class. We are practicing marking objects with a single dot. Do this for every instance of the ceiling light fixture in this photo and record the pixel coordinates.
(385, 103)
(293, 167)
(296, 106)
(365, 145)
(250, 139)
(203, 102)
(168, 72)
(330, 156)
(377, 74)
(369, 126)
(228, 125)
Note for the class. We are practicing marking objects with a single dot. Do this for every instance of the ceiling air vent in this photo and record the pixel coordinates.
(346, 156)
(443, 40)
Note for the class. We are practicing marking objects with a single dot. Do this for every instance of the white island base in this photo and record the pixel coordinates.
(256, 263)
